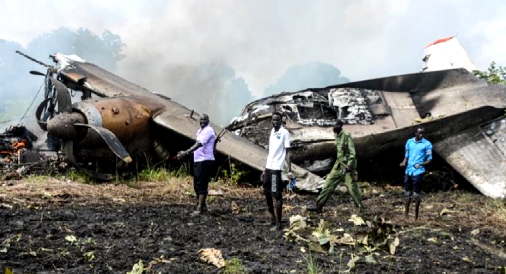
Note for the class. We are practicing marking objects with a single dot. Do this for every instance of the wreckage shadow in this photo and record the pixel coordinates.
(384, 170)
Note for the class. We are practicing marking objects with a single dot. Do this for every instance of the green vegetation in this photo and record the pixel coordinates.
(312, 265)
(494, 74)
(80, 177)
(233, 174)
(152, 174)
(234, 266)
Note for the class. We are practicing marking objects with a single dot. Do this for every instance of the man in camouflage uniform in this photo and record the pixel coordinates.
(344, 170)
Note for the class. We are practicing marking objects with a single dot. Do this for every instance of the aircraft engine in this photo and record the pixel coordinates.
(124, 117)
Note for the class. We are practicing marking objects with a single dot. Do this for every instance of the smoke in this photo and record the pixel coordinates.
(313, 74)
(213, 89)
(183, 48)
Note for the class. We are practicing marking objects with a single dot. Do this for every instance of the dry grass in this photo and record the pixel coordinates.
(60, 189)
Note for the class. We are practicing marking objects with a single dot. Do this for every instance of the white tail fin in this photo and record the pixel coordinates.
(446, 53)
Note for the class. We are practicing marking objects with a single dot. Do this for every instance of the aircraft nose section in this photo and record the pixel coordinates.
(62, 126)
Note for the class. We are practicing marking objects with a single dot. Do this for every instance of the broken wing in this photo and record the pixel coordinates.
(479, 154)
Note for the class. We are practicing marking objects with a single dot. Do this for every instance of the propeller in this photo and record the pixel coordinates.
(69, 126)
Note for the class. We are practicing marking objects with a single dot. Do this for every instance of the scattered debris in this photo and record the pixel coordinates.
(235, 208)
(14, 143)
(357, 220)
(297, 225)
(212, 256)
(19, 158)
(475, 232)
(213, 192)
(138, 268)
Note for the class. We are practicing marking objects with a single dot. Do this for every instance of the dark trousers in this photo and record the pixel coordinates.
(413, 184)
(202, 172)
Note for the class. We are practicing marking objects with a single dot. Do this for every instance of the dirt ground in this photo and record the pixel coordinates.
(54, 226)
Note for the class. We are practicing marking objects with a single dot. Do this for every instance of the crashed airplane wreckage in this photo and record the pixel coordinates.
(126, 122)
(463, 116)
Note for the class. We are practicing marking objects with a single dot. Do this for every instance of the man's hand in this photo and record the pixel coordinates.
(181, 154)
(262, 176)
(417, 166)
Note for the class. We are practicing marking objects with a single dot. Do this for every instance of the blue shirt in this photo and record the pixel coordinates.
(417, 152)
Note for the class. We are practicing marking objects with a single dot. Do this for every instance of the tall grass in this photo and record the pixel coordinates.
(312, 264)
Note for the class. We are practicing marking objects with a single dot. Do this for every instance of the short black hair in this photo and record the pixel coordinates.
(205, 117)
(419, 127)
(339, 123)
(279, 113)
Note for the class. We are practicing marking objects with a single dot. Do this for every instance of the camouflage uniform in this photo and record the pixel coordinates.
(345, 157)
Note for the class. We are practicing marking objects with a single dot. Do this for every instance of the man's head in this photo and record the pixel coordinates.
(338, 126)
(204, 120)
(420, 131)
(276, 119)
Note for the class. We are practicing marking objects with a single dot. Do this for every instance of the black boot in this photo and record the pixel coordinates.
(317, 209)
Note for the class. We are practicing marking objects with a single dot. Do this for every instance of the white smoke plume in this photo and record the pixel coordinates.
(168, 44)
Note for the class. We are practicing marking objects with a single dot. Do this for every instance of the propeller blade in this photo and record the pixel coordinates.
(38, 114)
(34, 72)
(63, 96)
(68, 149)
(111, 140)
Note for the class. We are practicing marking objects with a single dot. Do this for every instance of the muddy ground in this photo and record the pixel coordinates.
(58, 226)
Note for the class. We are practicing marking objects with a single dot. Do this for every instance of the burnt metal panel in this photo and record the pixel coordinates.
(479, 154)
(87, 76)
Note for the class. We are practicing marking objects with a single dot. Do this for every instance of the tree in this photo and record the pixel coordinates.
(494, 74)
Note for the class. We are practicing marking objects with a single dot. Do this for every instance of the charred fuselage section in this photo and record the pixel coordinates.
(380, 114)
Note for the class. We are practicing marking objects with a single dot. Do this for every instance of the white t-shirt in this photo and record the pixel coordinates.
(278, 143)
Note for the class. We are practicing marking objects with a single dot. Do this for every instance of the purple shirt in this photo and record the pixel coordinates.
(206, 137)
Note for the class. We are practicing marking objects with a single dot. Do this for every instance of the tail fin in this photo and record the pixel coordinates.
(446, 53)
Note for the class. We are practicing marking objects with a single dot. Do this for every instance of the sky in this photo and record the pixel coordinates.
(261, 40)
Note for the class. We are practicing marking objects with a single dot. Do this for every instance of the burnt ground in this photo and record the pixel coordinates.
(53, 226)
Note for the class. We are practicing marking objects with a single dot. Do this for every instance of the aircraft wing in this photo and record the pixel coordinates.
(479, 154)
(90, 77)
(178, 119)
(85, 76)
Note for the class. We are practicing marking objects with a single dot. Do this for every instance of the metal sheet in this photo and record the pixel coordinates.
(479, 155)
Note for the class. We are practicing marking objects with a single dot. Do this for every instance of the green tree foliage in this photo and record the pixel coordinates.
(494, 74)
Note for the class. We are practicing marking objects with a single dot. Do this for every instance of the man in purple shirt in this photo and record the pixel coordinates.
(203, 158)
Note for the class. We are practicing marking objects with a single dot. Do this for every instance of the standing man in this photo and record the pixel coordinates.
(418, 154)
(203, 158)
(344, 170)
(279, 145)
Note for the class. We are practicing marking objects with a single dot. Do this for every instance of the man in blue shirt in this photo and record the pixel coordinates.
(418, 154)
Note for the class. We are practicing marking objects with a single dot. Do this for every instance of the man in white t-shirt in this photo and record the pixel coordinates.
(279, 145)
